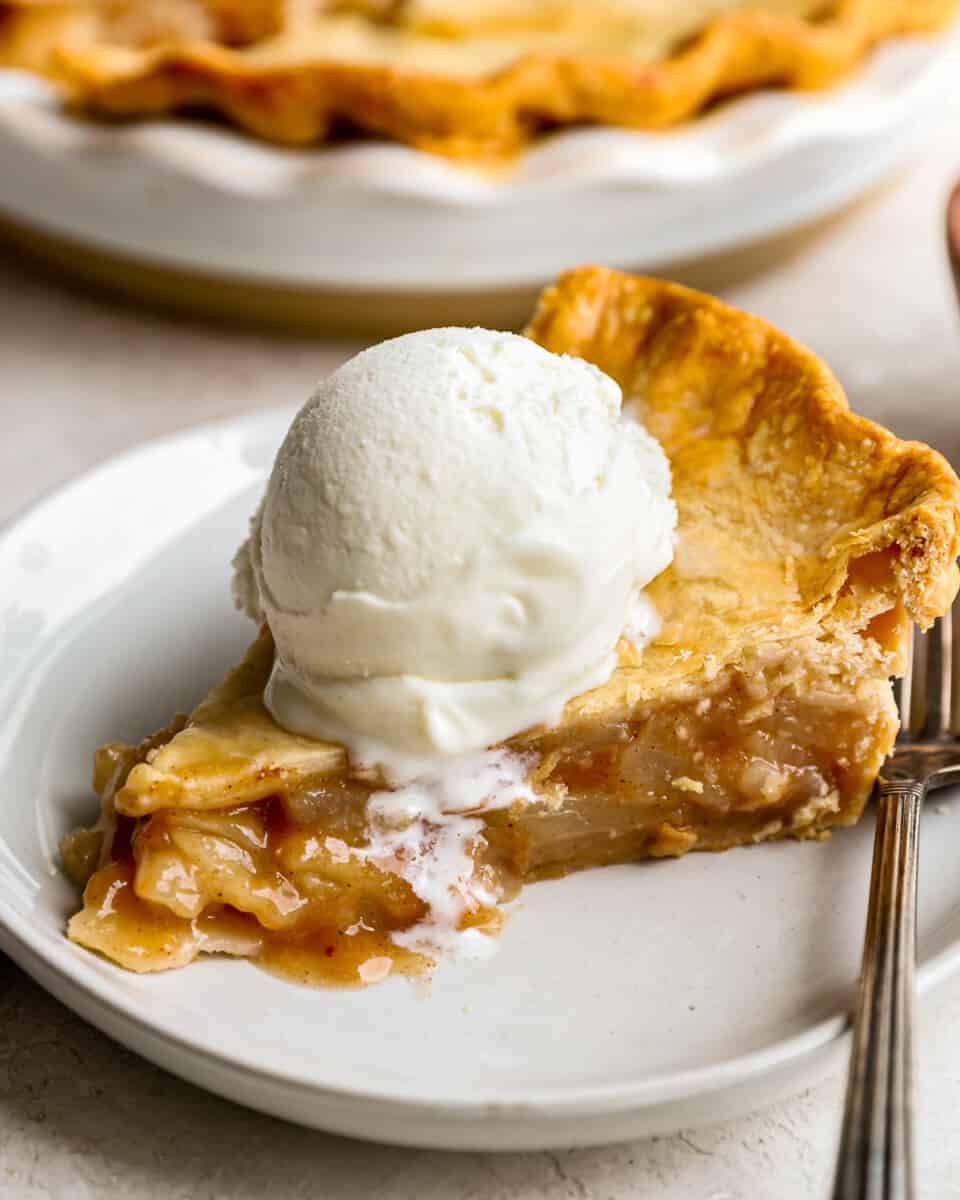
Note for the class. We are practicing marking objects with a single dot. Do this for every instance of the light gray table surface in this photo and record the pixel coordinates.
(81, 378)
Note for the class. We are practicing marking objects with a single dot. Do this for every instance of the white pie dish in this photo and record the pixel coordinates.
(627, 1001)
(193, 196)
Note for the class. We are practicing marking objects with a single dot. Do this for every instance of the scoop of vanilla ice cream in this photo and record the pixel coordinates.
(451, 541)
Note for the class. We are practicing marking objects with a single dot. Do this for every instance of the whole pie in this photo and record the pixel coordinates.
(808, 540)
(462, 77)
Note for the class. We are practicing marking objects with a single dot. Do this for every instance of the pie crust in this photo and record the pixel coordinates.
(808, 539)
(297, 73)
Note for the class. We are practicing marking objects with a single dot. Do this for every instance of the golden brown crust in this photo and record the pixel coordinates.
(801, 524)
(232, 751)
(32, 31)
(763, 443)
(283, 93)
(143, 23)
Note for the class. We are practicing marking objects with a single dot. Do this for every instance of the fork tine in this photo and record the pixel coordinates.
(939, 681)
(919, 661)
(903, 688)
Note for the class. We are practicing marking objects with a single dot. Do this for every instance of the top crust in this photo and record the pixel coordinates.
(762, 442)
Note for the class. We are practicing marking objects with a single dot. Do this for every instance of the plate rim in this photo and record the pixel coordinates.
(29, 946)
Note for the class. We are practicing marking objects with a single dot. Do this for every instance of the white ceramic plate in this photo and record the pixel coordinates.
(371, 216)
(632, 1000)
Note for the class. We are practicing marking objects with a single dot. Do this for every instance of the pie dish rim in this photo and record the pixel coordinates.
(735, 51)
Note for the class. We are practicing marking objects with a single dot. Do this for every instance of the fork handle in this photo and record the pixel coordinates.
(875, 1159)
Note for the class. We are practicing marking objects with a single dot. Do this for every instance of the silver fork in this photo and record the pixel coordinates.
(875, 1160)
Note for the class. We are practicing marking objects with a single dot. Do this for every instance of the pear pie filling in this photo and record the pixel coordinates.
(301, 882)
(807, 541)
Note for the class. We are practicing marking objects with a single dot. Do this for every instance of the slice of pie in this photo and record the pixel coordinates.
(462, 77)
(808, 539)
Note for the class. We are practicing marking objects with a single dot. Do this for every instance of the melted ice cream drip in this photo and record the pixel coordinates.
(427, 830)
(643, 621)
